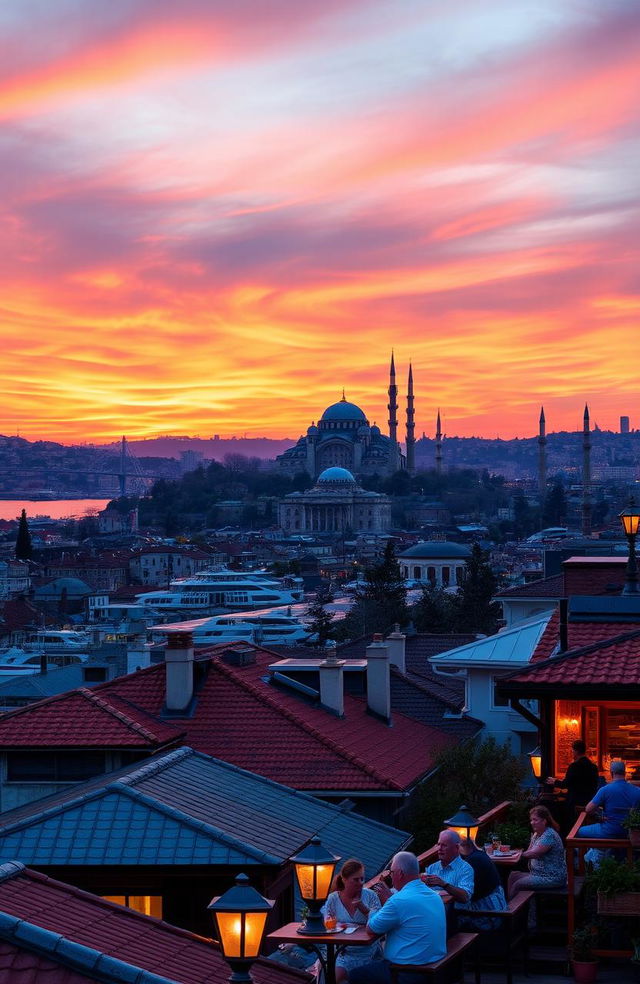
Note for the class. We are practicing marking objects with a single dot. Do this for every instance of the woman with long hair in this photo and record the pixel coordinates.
(545, 854)
(350, 904)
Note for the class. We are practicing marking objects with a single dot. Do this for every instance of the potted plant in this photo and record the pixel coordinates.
(583, 961)
(632, 824)
(617, 886)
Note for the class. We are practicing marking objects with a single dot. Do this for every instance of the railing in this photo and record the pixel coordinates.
(489, 819)
(576, 848)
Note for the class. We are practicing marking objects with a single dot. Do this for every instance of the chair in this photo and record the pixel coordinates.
(445, 971)
(498, 946)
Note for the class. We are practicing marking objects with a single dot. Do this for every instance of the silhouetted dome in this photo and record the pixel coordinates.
(336, 474)
(344, 411)
(440, 549)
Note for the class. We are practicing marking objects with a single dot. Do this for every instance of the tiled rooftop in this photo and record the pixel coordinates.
(100, 940)
(614, 662)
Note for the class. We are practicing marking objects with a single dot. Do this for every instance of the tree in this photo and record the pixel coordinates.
(555, 506)
(320, 620)
(480, 775)
(381, 602)
(435, 611)
(477, 612)
(24, 549)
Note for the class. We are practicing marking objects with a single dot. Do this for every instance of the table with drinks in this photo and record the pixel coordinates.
(327, 945)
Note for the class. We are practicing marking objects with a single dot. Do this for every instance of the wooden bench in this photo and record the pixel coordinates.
(499, 946)
(444, 971)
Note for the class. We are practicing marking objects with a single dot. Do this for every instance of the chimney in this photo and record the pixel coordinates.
(378, 678)
(395, 645)
(137, 653)
(563, 606)
(179, 671)
(332, 683)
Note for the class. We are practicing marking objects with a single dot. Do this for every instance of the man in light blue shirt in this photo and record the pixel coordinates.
(450, 872)
(413, 921)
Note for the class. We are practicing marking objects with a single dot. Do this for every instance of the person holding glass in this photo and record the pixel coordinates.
(350, 904)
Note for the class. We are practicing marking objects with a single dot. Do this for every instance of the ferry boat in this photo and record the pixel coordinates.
(264, 628)
(219, 589)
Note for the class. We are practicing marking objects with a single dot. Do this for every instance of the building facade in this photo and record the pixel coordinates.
(335, 504)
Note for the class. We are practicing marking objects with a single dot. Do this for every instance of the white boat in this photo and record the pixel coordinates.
(220, 588)
(54, 641)
(263, 628)
(16, 662)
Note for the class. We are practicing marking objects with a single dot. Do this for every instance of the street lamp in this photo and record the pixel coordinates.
(464, 823)
(536, 762)
(240, 917)
(630, 519)
(314, 868)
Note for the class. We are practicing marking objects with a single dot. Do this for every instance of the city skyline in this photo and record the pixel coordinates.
(216, 216)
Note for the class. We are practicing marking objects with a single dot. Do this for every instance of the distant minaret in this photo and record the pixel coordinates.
(411, 426)
(586, 474)
(542, 459)
(438, 445)
(392, 407)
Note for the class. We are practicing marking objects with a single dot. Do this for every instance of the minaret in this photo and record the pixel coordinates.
(542, 459)
(392, 407)
(438, 445)
(411, 426)
(586, 474)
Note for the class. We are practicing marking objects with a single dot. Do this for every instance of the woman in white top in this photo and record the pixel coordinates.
(350, 904)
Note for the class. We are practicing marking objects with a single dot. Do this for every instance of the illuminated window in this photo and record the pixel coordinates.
(148, 905)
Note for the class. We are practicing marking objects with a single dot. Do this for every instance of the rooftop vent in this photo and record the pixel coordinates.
(239, 657)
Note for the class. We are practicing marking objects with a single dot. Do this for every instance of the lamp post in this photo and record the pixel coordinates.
(630, 519)
(314, 867)
(240, 917)
(464, 823)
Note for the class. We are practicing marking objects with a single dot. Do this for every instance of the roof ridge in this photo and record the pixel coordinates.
(408, 678)
(76, 956)
(156, 765)
(308, 728)
(129, 722)
(572, 653)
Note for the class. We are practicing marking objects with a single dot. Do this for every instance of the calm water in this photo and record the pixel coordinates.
(55, 508)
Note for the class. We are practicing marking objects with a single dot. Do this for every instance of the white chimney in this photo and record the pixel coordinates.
(395, 644)
(179, 670)
(332, 683)
(138, 654)
(378, 678)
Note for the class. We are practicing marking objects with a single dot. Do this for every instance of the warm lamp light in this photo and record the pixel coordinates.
(464, 823)
(240, 917)
(630, 519)
(536, 762)
(314, 867)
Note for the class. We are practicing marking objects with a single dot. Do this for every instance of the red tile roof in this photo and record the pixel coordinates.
(84, 719)
(110, 929)
(544, 587)
(240, 718)
(579, 634)
(20, 966)
(613, 663)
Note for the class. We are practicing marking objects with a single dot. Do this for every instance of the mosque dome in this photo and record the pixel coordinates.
(375, 431)
(312, 430)
(336, 475)
(344, 411)
(441, 549)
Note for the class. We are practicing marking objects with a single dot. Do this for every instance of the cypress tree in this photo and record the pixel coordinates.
(23, 542)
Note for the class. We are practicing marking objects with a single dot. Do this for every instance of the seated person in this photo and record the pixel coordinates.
(452, 874)
(545, 854)
(614, 800)
(488, 892)
(413, 920)
(350, 903)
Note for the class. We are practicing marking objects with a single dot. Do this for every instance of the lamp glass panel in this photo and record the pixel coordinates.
(464, 831)
(631, 523)
(536, 764)
(230, 930)
(306, 881)
(324, 874)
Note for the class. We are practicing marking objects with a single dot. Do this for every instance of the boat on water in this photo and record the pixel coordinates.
(18, 661)
(263, 628)
(218, 589)
(57, 641)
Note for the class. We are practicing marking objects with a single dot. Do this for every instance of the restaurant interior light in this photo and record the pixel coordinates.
(240, 917)
(464, 823)
(314, 867)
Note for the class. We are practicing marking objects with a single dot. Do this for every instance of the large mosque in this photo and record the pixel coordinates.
(343, 438)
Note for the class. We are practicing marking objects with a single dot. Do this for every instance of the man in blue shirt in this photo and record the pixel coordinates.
(450, 872)
(413, 921)
(615, 800)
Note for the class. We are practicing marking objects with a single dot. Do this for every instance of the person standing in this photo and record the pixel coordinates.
(614, 800)
(581, 783)
(413, 920)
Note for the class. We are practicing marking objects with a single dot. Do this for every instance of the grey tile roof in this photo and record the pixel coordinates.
(187, 808)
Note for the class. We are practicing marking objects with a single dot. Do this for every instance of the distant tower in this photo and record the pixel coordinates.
(438, 445)
(624, 425)
(392, 407)
(542, 459)
(411, 426)
(586, 474)
(122, 474)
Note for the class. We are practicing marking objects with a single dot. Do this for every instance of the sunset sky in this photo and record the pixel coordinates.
(215, 214)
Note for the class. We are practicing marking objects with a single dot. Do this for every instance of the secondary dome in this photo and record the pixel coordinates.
(442, 549)
(344, 411)
(336, 474)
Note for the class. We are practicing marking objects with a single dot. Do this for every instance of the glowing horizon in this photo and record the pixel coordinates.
(216, 219)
